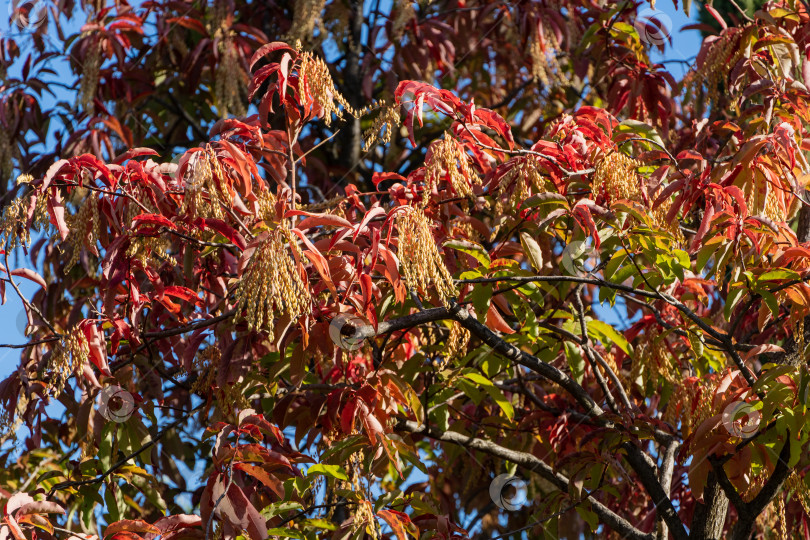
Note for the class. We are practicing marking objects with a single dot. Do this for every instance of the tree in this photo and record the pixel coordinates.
(435, 270)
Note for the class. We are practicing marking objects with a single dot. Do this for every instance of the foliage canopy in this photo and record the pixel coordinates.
(332, 269)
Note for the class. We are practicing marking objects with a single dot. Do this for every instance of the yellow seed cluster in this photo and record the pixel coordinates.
(383, 126)
(464, 229)
(206, 364)
(724, 53)
(771, 208)
(768, 522)
(91, 67)
(422, 265)
(10, 422)
(84, 227)
(137, 192)
(316, 81)
(332, 206)
(266, 206)
(799, 490)
(686, 396)
(780, 511)
(616, 177)
(272, 285)
(543, 51)
(68, 355)
(653, 361)
(447, 159)
(364, 517)
(306, 16)
(205, 193)
(13, 221)
(456, 345)
(404, 13)
(230, 81)
(151, 251)
(754, 488)
(527, 177)
(610, 360)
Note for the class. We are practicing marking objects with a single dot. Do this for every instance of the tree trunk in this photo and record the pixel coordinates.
(353, 87)
(710, 516)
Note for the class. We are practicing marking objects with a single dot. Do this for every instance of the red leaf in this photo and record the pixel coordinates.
(238, 510)
(347, 416)
(264, 477)
(180, 521)
(130, 525)
(398, 521)
(133, 153)
(30, 275)
(182, 292)
(56, 212)
(264, 50)
(496, 322)
(227, 231)
(41, 507)
(152, 219)
(318, 220)
(97, 344)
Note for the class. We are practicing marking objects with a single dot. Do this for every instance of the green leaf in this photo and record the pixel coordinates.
(614, 263)
(494, 392)
(770, 301)
(545, 199)
(532, 250)
(706, 252)
(611, 334)
(575, 361)
(334, 471)
(441, 417)
(589, 517)
(480, 297)
(285, 532)
(733, 298)
(697, 345)
(777, 274)
(470, 248)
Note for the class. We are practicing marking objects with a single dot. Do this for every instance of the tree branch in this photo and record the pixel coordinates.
(529, 462)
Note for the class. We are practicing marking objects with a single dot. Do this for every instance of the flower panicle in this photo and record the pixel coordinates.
(272, 286)
(422, 265)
